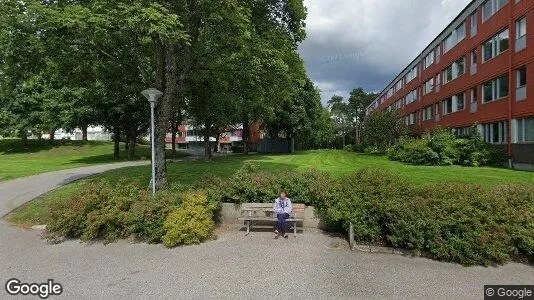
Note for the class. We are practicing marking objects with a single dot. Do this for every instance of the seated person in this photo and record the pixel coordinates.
(282, 208)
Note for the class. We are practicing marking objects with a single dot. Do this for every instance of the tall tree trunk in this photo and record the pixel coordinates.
(173, 136)
(217, 139)
(127, 142)
(131, 144)
(246, 134)
(52, 136)
(84, 132)
(116, 141)
(167, 58)
(24, 137)
(207, 144)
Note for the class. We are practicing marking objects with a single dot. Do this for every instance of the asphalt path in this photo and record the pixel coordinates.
(313, 266)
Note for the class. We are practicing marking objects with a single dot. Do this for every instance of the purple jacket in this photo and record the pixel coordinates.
(282, 206)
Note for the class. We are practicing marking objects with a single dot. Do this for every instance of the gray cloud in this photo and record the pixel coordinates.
(365, 43)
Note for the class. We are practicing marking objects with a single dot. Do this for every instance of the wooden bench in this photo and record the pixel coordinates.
(264, 212)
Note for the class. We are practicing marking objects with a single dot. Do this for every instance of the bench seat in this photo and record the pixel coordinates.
(264, 212)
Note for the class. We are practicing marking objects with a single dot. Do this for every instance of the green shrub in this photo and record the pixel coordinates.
(441, 147)
(461, 223)
(100, 210)
(191, 223)
(250, 185)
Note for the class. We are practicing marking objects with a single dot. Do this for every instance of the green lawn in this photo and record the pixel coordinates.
(337, 163)
(40, 156)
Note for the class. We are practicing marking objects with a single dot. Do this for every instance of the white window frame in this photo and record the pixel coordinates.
(495, 45)
(429, 86)
(455, 37)
(455, 70)
(429, 59)
(521, 130)
(496, 5)
(428, 113)
(519, 32)
(495, 89)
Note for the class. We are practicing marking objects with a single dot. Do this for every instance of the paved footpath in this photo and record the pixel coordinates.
(312, 266)
(16, 192)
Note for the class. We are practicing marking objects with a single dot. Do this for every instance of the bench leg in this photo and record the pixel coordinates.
(248, 227)
(295, 229)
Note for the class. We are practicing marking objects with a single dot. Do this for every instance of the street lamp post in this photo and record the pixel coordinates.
(152, 95)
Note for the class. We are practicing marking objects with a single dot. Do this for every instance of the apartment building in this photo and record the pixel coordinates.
(478, 71)
(190, 138)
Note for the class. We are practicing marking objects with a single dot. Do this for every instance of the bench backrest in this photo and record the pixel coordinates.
(267, 208)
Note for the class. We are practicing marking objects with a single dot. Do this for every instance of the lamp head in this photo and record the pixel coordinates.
(152, 94)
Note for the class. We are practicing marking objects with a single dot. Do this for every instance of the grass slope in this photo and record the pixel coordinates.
(337, 163)
(40, 156)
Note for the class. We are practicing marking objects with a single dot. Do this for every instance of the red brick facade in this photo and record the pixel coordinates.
(507, 107)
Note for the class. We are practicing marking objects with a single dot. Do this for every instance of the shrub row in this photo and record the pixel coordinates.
(461, 223)
(453, 222)
(108, 212)
(442, 147)
(249, 184)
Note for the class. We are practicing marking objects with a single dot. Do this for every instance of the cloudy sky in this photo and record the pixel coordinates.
(366, 43)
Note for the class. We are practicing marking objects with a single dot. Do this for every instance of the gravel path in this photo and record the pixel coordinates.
(312, 266)
(14, 193)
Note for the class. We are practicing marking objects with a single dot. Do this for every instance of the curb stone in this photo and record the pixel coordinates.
(380, 249)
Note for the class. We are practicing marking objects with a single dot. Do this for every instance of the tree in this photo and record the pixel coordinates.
(381, 129)
(357, 104)
(340, 117)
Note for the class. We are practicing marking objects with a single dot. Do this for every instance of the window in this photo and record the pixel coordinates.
(399, 104)
(447, 106)
(390, 93)
(429, 86)
(495, 133)
(521, 84)
(399, 85)
(496, 45)
(437, 53)
(411, 75)
(411, 97)
(429, 60)
(522, 77)
(521, 35)
(495, 89)
(525, 130)
(456, 36)
(474, 59)
(412, 118)
(454, 71)
(454, 104)
(474, 23)
(462, 132)
(490, 7)
(427, 113)
(521, 28)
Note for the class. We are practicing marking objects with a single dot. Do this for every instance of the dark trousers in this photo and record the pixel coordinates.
(281, 225)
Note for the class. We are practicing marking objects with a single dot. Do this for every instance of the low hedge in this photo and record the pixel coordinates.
(104, 211)
(463, 223)
(441, 148)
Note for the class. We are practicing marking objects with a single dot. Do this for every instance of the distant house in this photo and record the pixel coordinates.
(94, 133)
(190, 138)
